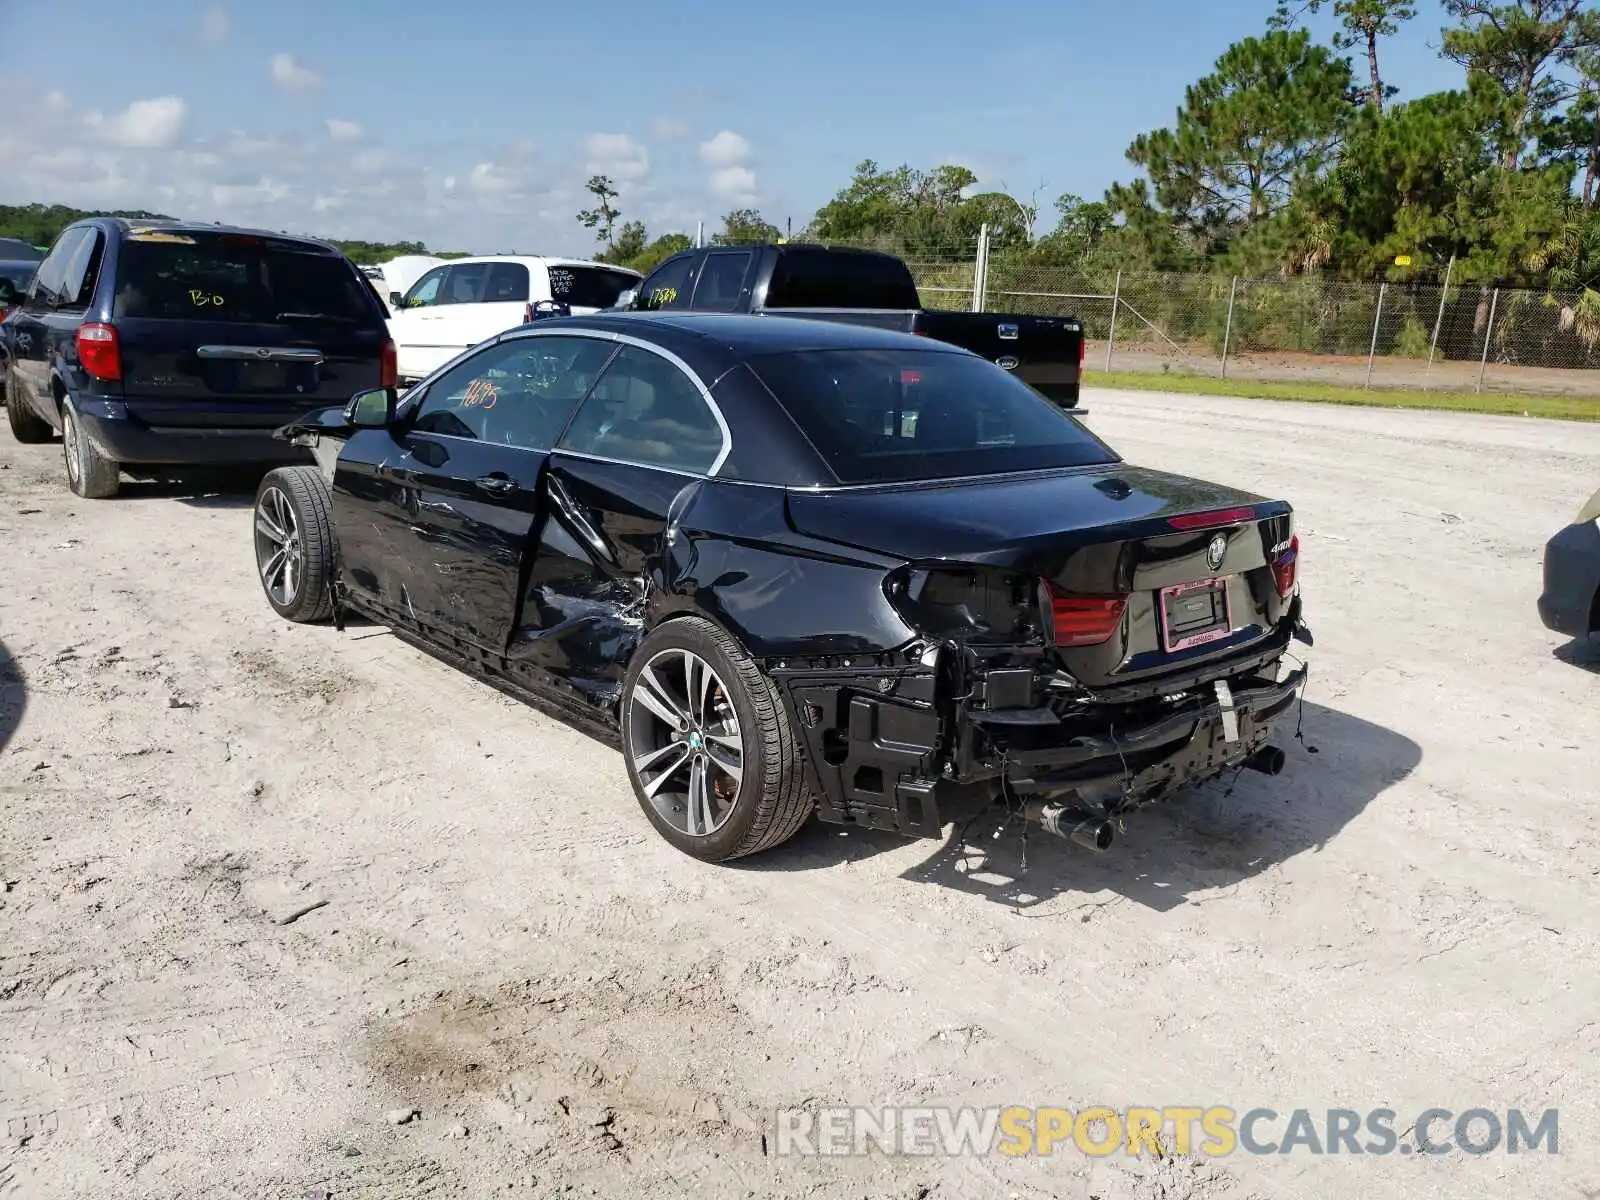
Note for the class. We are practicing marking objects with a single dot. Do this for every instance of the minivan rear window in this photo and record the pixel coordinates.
(588, 287)
(223, 277)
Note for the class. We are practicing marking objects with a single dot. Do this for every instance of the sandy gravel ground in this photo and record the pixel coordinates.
(1405, 919)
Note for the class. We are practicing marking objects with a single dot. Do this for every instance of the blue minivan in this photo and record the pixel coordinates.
(152, 344)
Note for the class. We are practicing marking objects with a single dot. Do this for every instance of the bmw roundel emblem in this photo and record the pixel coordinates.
(1006, 364)
(1216, 551)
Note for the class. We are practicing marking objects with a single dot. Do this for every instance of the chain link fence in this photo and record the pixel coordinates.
(1301, 330)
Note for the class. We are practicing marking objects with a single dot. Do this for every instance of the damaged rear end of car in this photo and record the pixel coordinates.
(1086, 643)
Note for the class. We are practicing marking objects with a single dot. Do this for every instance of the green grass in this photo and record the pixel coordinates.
(1561, 408)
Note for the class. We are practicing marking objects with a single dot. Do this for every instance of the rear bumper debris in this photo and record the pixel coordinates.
(886, 755)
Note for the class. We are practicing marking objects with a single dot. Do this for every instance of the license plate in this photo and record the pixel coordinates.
(1193, 614)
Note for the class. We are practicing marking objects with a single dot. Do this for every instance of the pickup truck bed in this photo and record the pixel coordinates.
(862, 287)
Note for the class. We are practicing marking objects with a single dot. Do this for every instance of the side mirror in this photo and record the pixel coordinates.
(372, 409)
(625, 301)
(394, 299)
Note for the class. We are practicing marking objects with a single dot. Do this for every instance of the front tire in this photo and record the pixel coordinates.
(294, 543)
(710, 752)
(26, 426)
(90, 474)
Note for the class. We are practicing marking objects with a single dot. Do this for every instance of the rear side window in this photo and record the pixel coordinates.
(720, 280)
(819, 278)
(82, 271)
(224, 277)
(507, 282)
(589, 287)
(465, 284)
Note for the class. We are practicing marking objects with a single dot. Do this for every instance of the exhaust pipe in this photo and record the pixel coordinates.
(1269, 760)
(1084, 829)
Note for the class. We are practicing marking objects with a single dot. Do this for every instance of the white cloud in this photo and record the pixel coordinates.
(617, 155)
(460, 194)
(213, 27)
(669, 128)
(726, 149)
(734, 183)
(343, 131)
(292, 76)
(150, 124)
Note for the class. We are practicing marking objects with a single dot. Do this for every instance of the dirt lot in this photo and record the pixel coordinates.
(1407, 918)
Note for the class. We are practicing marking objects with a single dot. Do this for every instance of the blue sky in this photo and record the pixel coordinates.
(474, 124)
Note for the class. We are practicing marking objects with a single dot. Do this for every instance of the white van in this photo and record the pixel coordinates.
(465, 301)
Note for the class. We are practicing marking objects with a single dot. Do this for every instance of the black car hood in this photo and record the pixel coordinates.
(1010, 520)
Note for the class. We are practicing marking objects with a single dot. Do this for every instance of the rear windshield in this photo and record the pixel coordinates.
(17, 250)
(890, 416)
(819, 278)
(589, 287)
(221, 277)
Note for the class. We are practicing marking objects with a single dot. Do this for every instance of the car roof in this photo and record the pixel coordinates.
(746, 335)
(136, 225)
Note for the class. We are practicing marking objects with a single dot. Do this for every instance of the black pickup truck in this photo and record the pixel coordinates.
(861, 287)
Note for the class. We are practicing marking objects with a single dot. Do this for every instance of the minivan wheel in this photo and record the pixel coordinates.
(26, 426)
(294, 543)
(90, 474)
(709, 749)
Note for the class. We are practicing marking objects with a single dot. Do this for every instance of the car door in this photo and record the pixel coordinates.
(34, 331)
(412, 324)
(644, 436)
(434, 515)
(460, 316)
(669, 286)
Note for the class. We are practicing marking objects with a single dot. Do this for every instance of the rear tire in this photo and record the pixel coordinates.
(680, 769)
(294, 543)
(90, 474)
(26, 426)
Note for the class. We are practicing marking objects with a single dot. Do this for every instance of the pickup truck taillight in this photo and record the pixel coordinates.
(99, 351)
(1079, 620)
(1083, 350)
(1285, 568)
(388, 365)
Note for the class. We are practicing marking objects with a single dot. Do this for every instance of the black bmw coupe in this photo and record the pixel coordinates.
(796, 568)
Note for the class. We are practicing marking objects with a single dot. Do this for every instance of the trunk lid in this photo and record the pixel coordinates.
(1177, 572)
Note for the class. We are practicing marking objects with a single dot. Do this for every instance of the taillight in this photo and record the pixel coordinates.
(99, 352)
(1285, 568)
(1080, 620)
(388, 366)
(527, 313)
(1217, 516)
(1083, 349)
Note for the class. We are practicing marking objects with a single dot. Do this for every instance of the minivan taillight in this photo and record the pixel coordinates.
(99, 351)
(527, 313)
(1285, 568)
(1079, 620)
(388, 365)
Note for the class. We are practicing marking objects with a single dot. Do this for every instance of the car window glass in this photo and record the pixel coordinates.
(888, 416)
(720, 277)
(425, 291)
(588, 287)
(517, 393)
(669, 286)
(50, 281)
(464, 284)
(508, 282)
(81, 271)
(646, 410)
(190, 275)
